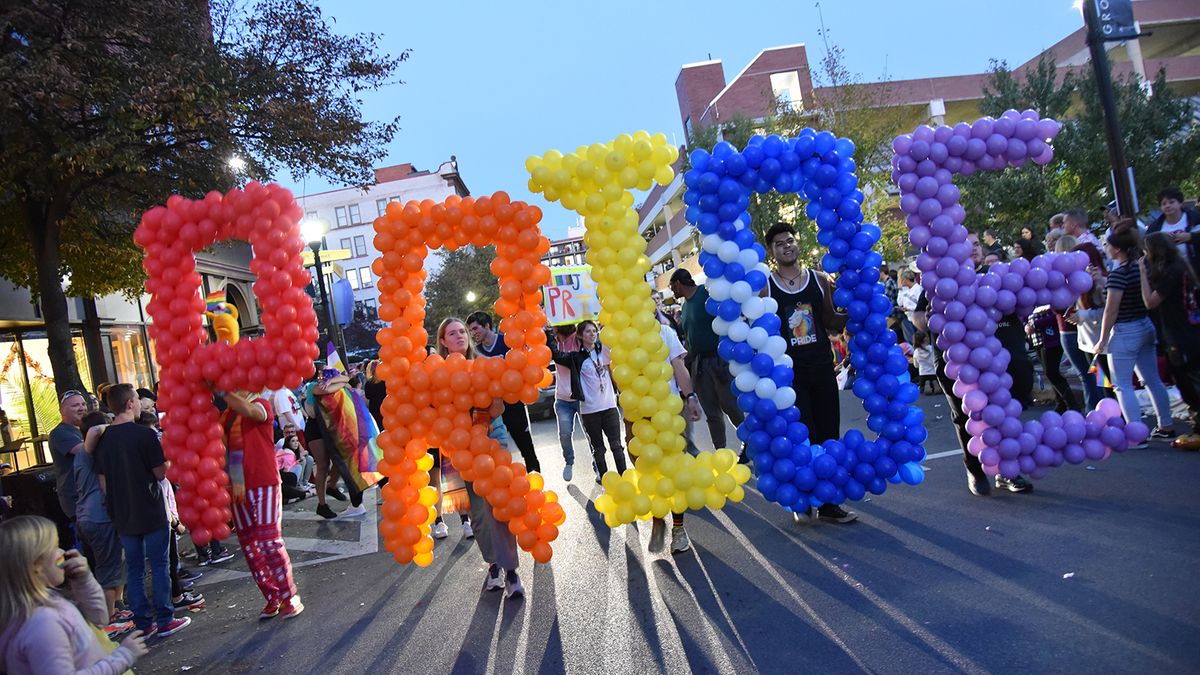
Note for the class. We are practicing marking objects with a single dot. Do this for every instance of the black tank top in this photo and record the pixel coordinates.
(802, 322)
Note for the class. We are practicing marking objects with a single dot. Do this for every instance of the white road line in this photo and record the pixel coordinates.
(948, 453)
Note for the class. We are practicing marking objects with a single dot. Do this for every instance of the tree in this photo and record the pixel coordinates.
(465, 273)
(1162, 144)
(844, 105)
(359, 334)
(109, 107)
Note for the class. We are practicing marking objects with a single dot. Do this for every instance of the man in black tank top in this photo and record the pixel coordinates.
(806, 315)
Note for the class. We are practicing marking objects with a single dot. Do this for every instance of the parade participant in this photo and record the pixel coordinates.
(516, 416)
(1169, 289)
(42, 629)
(496, 542)
(709, 372)
(1042, 328)
(596, 394)
(349, 433)
(375, 390)
(129, 462)
(257, 501)
(325, 475)
(1088, 311)
(681, 385)
(1126, 333)
(926, 362)
(439, 529)
(1179, 223)
(806, 314)
(566, 407)
(96, 528)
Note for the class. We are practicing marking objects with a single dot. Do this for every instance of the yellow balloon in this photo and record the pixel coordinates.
(428, 496)
(423, 559)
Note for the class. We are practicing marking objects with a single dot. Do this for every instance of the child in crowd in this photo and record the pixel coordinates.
(43, 630)
(926, 363)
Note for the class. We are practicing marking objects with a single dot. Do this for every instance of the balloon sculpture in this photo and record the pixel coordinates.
(268, 217)
(966, 305)
(430, 399)
(595, 182)
(791, 471)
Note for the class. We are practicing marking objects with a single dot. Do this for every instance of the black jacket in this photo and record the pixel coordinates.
(572, 360)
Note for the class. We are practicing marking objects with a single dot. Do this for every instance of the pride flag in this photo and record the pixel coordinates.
(1099, 373)
(216, 301)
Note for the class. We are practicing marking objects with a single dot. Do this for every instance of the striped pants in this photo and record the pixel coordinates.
(257, 521)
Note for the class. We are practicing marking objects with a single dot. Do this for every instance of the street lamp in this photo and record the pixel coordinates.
(313, 230)
(237, 164)
(471, 297)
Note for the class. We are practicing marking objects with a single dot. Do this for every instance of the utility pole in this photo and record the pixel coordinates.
(1096, 37)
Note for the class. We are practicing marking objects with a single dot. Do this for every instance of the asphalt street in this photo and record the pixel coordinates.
(1091, 572)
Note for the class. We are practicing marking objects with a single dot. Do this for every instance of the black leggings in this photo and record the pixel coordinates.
(597, 425)
(817, 399)
(1051, 358)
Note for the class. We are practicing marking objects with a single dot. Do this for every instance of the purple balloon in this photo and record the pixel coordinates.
(996, 145)
(976, 150)
(901, 144)
(1026, 130)
(974, 401)
(982, 128)
(923, 133)
(919, 236)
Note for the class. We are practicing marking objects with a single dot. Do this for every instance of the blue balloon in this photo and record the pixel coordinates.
(743, 352)
(744, 239)
(712, 306)
(768, 322)
(714, 268)
(756, 279)
(746, 402)
(783, 376)
(762, 364)
(729, 310)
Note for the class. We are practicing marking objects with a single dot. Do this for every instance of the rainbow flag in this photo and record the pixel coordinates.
(1098, 372)
(354, 434)
(216, 301)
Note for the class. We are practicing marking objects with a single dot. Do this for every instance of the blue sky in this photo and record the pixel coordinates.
(495, 82)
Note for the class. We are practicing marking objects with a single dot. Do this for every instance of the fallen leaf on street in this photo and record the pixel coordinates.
(1068, 575)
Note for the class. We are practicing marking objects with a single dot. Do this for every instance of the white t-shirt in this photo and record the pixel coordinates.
(674, 350)
(926, 364)
(598, 394)
(907, 299)
(284, 401)
(1181, 226)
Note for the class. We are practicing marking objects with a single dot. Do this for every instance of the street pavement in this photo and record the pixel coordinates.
(1091, 572)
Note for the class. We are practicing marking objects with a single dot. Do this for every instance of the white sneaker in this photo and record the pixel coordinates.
(494, 581)
(468, 533)
(439, 531)
(514, 588)
(354, 512)
(679, 540)
(568, 471)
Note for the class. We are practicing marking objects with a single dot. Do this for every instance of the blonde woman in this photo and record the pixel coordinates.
(42, 629)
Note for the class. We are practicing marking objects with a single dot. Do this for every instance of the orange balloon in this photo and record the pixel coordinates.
(541, 552)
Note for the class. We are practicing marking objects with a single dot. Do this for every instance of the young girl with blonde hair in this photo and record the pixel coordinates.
(43, 629)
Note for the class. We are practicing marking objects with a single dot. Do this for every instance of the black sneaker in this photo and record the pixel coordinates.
(1018, 484)
(1163, 432)
(324, 511)
(186, 575)
(835, 514)
(336, 494)
(222, 556)
(979, 486)
(204, 561)
(189, 600)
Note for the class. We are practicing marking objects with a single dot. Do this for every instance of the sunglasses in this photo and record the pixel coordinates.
(68, 394)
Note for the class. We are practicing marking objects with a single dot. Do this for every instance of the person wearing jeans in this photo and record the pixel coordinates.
(129, 463)
(566, 405)
(1127, 334)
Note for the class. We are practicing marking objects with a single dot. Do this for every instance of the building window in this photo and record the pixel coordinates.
(310, 214)
(352, 277)
(371, 309)
(355, 217)
(381, 206)
(786, 88)
(344, 243)
(340, 214)
(360, 246)
(365, 274)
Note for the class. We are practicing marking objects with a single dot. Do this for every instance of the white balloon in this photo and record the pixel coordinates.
(765, 388)
(784, 397)
(746, 381)
(711, 243)
(718, 289)
(758, 338)
(736, 368)
(728, 251)
(784, 360)
(762, 267)
(720, 326)
(741, 292)
(738, 330)
(753, 308)
(770, 305)
(748, 258)
(776, 346)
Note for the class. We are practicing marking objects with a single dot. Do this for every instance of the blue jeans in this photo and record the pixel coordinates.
(1081, 361)
(1131, 348)
(154, 548)
(566, 412)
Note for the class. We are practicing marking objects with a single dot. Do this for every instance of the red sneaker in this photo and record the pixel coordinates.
(270, 610)
(174, 627)
(291, 607)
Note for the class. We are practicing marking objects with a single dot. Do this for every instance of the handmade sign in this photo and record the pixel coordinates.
(570, 297)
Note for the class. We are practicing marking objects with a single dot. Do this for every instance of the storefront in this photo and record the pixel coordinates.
(121, 346)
